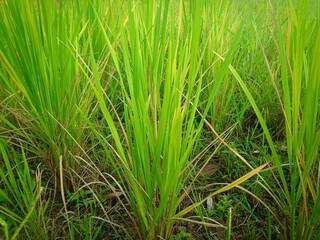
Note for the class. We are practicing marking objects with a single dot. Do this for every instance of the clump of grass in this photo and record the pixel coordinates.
(298, 46)
(159, 68)
(20, 198)
(139, 89)
(300, 85)
(40, 78)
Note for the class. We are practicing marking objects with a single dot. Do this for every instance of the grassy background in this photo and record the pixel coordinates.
(159, 119)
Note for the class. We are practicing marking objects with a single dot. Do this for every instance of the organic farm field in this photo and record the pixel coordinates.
(158, 119)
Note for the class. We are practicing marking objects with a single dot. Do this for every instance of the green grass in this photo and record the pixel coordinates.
(19, 198)
(159, 119)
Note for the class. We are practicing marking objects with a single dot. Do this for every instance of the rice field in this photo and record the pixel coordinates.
(158, 119)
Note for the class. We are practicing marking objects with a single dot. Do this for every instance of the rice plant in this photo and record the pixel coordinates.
(298, 176)
(138, 114)
(41, 81)
(160, 73)
(20, 198)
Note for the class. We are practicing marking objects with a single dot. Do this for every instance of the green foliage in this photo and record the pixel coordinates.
(298, 46)
(127, 102)
(19, 198)
(301, 91)
(40, 73)
(159, 65)
(222, 206)
(182, 235)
